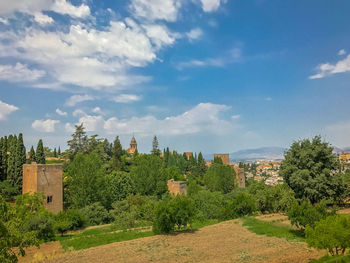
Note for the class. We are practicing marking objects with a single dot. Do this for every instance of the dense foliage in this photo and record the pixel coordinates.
(309, 169)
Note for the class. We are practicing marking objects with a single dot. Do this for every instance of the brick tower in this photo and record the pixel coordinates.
(47, 179)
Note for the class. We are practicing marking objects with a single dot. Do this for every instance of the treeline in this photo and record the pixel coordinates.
(12, 158)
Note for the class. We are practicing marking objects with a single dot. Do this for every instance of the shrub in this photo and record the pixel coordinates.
(332, 233)
(96, 214)
(308, 214)
(43, 224)
(183, 210)
(242, 204)
(164, 219)
(77, 218)
(208, 204)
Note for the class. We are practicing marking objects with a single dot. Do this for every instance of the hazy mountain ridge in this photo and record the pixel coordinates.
(265, 154)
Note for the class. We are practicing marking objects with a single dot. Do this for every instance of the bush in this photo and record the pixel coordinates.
(243, 204)
(220, 177)
(308, 214)
(178, 211)
(208, 204)
(96, 214)
(77, 218)
(332, 233)
(43, 224)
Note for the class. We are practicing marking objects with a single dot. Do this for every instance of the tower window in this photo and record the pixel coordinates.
(49, 199)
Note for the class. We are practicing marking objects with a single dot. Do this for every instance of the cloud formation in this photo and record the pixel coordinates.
(328, 69)
(194, 34)
(126, 98)
(19, 73)
(75, 99)
(61, 113)
(45, 125)
(6, 110)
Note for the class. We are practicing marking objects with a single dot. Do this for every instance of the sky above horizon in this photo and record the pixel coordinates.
(202, 75)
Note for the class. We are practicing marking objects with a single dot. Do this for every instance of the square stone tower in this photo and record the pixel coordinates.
(177, 187)
(47, 179)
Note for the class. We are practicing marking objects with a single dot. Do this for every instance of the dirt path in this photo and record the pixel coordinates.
(225, 242)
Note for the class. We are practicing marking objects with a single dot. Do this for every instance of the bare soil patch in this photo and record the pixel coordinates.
(276, 219)
(224, 242)
(46, 251)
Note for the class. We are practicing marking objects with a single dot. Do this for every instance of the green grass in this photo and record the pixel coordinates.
(86, 241)
(335, 259)
(106, 235)
(269, 229)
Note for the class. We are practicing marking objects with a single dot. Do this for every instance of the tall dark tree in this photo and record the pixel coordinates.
(166, 157)
(11, 161)
(40, 156)
(310, 169)
(3, 164)
(59, 151)
(54, 152)
(2, 175)
(20, 160)
(117, 152)
(202, 168)
(32, 155)
(155, 149)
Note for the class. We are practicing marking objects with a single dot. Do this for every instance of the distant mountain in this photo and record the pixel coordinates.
(264, 153)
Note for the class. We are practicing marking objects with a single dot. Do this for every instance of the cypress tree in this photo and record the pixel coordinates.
(40, 156)
(31, 155)
(2, 177)
(54, 153)
(11, 161)
(166, 157)
(59, 151)
(20, 160)
(117, 152)
(155, 149)
(3, 164)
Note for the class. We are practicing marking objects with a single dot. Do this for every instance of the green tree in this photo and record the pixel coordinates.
(40, 156)
(20, 160)
(13, 222)
(155, 149)
(54, 153)
(308, 214)
(148, 176)
(309, 169)
(183, 210)
(217, 160)
(4, 156)
(164, 221)
(220, 177)
(59, 152)
(31, 155)
(120, 185)
(79, 142)
(117, 152)
(242, 204)
(86, 181)
(331, 233)
(11, 161)
(208, 204)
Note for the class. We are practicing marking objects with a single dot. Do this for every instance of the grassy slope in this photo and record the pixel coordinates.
(269, 229)
(106, 235)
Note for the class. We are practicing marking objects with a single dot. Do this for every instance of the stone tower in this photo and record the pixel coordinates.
(133, 146)
(47, 179)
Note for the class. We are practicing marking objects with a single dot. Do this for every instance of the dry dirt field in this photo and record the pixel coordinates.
(224, 242)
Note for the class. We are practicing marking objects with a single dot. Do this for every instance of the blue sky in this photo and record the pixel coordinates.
(202, 75)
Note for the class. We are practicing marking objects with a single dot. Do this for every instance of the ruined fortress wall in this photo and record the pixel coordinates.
(225, 157)
(240, 178)
(47, 179)
(177, 187)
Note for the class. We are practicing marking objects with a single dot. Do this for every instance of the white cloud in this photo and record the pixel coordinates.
(19, 73)
(9, 6)
(6, 110)
(69, 127)
(203, 118)
(78, 112)
(75, 99)
(234, 55)
(210, 5)
(92, 123)
(328, 69)
(155, 9)
(235, 117)
(42, 18)
(341, 52)
(45, 125)
(97, 110)
(64, 7)
(160, 35)
(61, 113)
(126, 98)
(4, 21)
(194, 34)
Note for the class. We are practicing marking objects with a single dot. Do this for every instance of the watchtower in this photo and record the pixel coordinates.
(47, 179)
